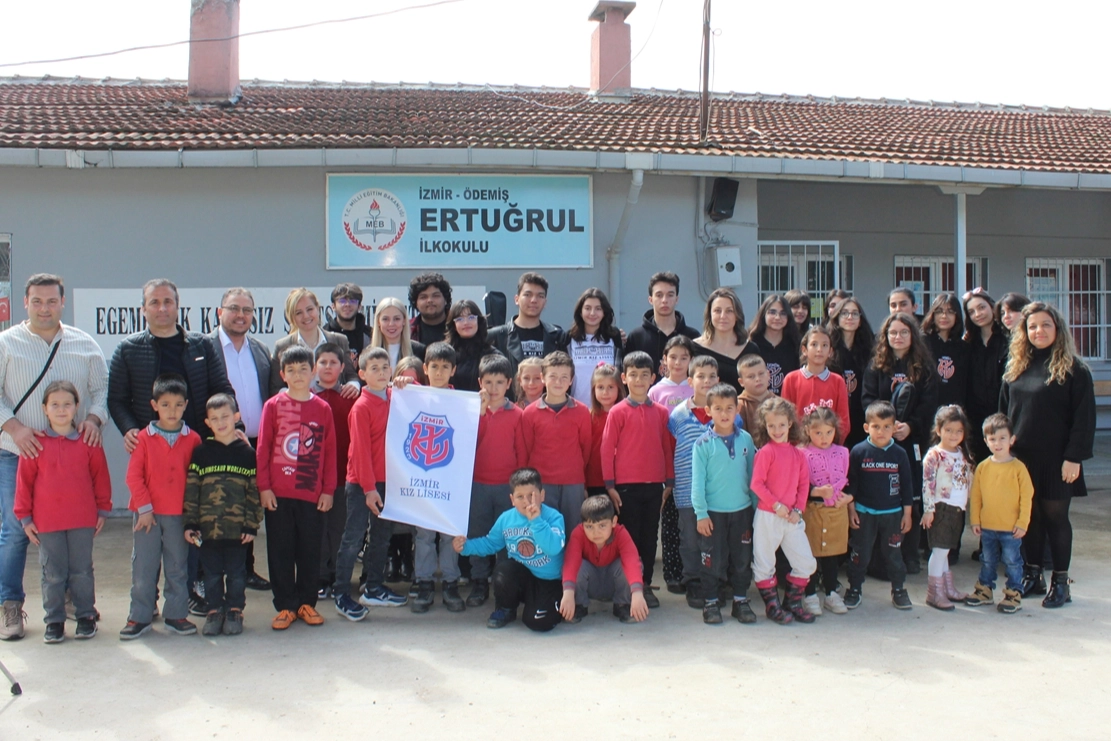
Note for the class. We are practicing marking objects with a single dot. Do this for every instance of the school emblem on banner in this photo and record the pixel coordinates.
(430, 441)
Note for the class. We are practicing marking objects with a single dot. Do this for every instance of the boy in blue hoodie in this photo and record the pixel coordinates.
(721, 475)
(533, 536)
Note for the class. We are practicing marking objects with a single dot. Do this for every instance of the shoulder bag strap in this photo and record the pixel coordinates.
(35, 385)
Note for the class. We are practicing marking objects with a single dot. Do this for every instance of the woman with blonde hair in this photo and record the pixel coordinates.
(1048, 394)
(302, 314)
(391, 331)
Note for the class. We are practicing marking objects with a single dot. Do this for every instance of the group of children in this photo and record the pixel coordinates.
(566, 500)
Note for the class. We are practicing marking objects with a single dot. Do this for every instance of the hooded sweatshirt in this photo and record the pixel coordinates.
(650, 339)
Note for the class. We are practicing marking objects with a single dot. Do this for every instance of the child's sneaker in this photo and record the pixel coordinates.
(501, 617)
(1010, 604)
(711, 613)
(426, 594)
(283, 620)
(86, 628)
(381, 596)
(624, 613)
(213, 624)
(233, 622)
(480, 592)
(133, 630)
(580, 613)
(309, 614)
(980, 596)
(901, 599)
(55, 633)
(182, 627)
(813, 604)
(852, 598)
(742, 612)
(694, 600)
(449, 593)
(324, 593)
(349, 608)
(835, 604)
(650, 597)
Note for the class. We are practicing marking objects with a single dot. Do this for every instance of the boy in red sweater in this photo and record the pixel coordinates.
(601, 562)
(497, 456)
(365, 492)
(296, 478)
(156, 477)
(555, 436)
(62, 498)
(638, 461)
(327, 385)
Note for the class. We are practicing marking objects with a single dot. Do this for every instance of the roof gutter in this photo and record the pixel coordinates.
(501, 160)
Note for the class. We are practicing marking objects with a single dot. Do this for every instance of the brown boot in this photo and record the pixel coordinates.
(980, 596)
(935, 594)
(951, 590)
(1011, 602)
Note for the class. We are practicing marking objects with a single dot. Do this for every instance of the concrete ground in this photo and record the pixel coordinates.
(875, 672)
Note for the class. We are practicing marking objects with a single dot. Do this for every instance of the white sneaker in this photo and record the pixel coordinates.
(835, 604)
(813, 605)
(11, 621)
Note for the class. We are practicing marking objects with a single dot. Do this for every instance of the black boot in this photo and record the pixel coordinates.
(772, 609)
(1033, 581)
(1059, 592)
(795, 594)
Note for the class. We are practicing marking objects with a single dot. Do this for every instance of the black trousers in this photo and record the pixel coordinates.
(887, 531)
(727, 553)
(669, 541)
(640, 514)
(514, 584)
(224, 559)
(293, 552)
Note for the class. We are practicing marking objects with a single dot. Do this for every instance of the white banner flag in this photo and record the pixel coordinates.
(430, 445)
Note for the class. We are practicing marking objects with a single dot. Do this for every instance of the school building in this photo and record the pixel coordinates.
(217, 181)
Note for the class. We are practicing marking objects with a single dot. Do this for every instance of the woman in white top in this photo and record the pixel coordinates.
(302, 312)
(591, 341)
(391, 331)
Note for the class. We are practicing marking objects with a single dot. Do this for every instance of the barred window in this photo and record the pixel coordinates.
(1077, 287)
(807, 266)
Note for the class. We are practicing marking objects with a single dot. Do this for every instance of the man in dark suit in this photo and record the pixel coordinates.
(247, 362)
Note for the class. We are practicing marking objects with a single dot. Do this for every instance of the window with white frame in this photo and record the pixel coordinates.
(807, 266)
(1078, 288)
(929, 276)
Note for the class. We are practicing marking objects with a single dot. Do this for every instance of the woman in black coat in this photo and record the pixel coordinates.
(943, 328)
(987, 342)
(902, 372)
(1048, 394)
(466, 332)
(852, 339)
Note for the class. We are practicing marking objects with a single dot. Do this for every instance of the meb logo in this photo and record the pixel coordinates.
(429, 443)
(374, 219)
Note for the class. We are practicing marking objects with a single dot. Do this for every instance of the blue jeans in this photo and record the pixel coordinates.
(13, 541)
(994, 542)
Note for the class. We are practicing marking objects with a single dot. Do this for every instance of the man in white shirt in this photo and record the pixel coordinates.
(66, 353)
(247, 362)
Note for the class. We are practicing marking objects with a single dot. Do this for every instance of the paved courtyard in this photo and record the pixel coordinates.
(875, 672)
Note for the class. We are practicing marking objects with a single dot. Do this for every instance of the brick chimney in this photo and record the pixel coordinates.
(611, 47)
(214, 65)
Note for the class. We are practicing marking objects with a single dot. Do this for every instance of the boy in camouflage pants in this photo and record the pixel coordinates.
(222, 514)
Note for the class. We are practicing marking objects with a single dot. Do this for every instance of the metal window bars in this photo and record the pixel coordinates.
(1078, 288)
(807, 266)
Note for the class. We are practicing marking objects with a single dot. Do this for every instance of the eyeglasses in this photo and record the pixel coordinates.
(349, 301)
(850, 314)
(465, 319)
(238, 309)
(897, 333)
(775, 313)
(945, 312)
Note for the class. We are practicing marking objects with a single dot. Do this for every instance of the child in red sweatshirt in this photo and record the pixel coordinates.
(814, 385)
(781, 483)
(638, 461)
(62, 498)
(606, 390)
(296, 478)
(156, 477)
(497, 455)
(555, 437)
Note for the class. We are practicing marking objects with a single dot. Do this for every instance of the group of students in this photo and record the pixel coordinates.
(768, 485)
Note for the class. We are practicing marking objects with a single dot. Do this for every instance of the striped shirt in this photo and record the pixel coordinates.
(22, 357)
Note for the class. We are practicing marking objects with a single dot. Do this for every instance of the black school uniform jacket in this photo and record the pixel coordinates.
(878, 386)
(951, 363)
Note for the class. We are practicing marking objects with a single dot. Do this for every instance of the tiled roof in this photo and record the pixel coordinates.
(143, 115)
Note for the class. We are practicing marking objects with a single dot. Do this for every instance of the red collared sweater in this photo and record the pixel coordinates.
(341, 408)
(620, 545)
(637, 447)
(807, 394)
(66, 487)
(156, 472)
(499, 452)
(557, 444)
(366, 424)
(296, 448)
(594, 465)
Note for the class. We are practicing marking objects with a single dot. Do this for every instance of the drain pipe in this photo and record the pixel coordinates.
(613, 254)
